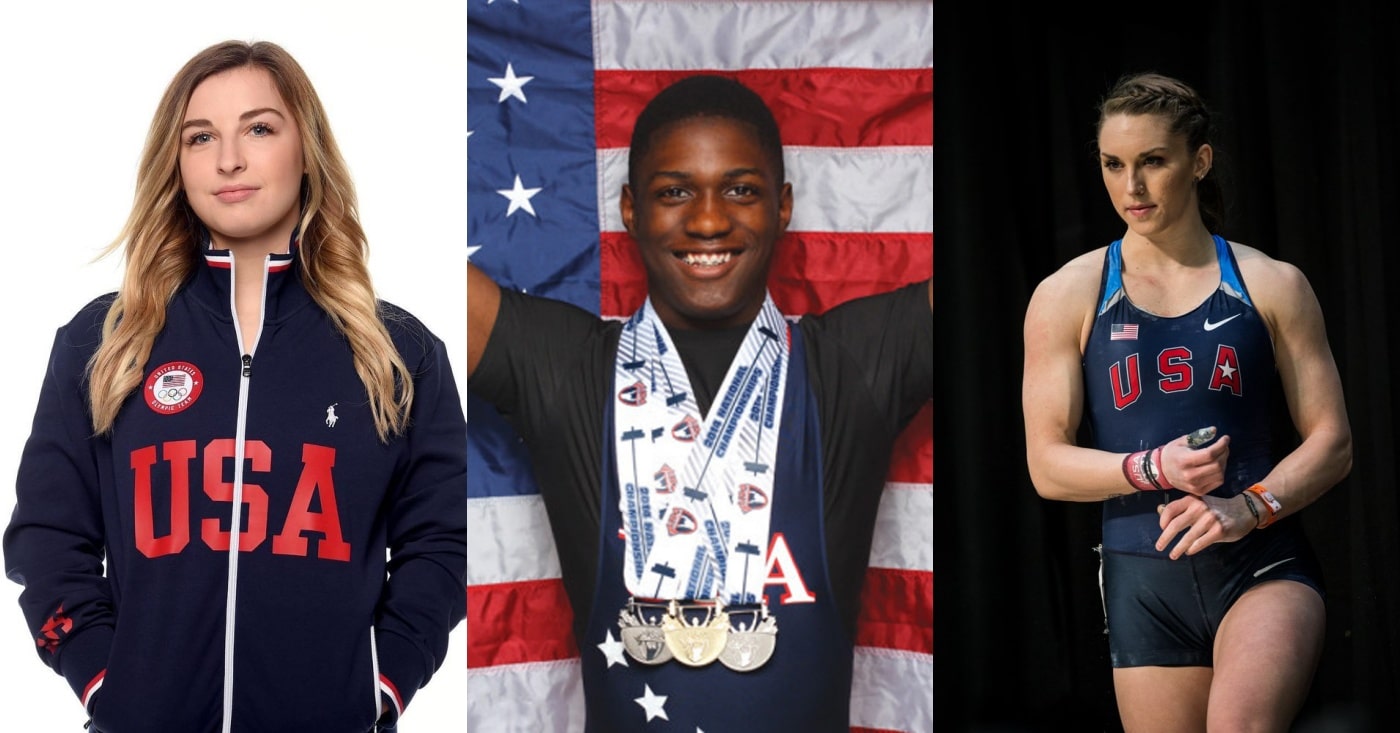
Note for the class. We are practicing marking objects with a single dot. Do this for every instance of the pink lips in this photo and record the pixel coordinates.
(234, 194)
(1140, 211)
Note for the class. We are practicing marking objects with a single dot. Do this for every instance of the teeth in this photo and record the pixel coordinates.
(702, 259)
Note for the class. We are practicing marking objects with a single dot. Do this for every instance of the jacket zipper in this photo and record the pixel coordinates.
(236, 516)
(374, 670)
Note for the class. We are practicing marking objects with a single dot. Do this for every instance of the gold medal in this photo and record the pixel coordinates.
(696, 644)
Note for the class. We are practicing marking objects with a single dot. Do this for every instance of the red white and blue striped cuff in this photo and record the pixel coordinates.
(387, 688)
(91, 689)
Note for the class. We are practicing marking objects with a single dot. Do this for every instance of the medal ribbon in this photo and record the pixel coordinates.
(696, 496)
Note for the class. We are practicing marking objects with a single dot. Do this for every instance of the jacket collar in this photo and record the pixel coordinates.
(212, 283)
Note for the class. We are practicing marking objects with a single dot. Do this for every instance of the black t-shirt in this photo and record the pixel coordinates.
(548, 368)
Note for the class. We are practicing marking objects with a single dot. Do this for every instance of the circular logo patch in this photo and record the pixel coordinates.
(174, 386)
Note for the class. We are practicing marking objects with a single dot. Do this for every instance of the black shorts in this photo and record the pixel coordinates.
(1163, 612)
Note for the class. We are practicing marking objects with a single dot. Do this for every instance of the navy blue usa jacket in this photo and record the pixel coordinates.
(123, 542)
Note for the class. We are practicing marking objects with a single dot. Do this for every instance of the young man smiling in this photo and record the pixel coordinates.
(713, 549)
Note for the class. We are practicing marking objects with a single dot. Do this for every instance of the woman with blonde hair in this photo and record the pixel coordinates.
(243, 432)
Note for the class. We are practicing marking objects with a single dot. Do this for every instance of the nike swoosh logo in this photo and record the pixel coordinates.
(1212, 326)
(1271, 566)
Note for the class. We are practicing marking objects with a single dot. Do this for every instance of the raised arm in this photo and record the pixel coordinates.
(483, 302)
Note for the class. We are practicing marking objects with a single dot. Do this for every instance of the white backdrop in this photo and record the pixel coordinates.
(79, 81)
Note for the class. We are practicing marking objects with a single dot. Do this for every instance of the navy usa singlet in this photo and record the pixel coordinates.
(1148, 380)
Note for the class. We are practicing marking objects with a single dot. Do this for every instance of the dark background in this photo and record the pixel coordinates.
(1307, 103)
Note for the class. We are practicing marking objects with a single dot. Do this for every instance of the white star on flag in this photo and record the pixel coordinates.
(654, 704)
(519, 197)
(511, 85)
(612, 648)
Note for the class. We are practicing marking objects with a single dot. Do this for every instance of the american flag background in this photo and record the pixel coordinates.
(553, 88)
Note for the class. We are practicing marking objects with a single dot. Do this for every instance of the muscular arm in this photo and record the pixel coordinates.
(483, 302)
(1313, 390)
(1311, 385)
(1052, 390)
(1056, 327)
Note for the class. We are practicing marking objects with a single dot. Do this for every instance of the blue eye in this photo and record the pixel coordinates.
(199, 138)
(260, 129)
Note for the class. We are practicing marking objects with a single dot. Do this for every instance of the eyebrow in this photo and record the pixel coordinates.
(1149, 151)
(250, 114)
(731, 173)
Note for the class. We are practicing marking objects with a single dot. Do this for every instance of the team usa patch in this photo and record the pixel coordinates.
(172, 387)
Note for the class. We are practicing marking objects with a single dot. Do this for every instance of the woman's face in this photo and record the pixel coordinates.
(241, 161)
(1148, 172)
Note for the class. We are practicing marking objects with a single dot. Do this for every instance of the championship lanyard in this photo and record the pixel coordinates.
(696, 497)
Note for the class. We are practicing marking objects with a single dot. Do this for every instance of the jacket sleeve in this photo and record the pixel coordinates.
(425, 597)
(54, 544)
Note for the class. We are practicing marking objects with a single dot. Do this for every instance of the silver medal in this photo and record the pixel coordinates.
(643, 641)
(751, 646)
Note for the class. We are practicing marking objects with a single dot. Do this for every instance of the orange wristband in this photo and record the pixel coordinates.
(1270, 503)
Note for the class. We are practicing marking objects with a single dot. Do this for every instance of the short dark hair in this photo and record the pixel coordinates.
(705, 95)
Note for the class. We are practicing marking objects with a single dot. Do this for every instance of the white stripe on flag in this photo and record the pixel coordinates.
(508, 540)
(768, 35)
(904, 528)
(892, 690)
(850, 190)
(507, 698)
(508, 537)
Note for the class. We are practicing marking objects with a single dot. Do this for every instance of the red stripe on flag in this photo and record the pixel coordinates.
(911, 460)
(816, 107)
(528, 621)
(812, 271)
(896, 610)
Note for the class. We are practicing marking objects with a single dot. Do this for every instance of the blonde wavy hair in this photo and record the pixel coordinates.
(160, 244)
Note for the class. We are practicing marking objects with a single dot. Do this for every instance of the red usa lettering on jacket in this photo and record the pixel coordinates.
(315, 482)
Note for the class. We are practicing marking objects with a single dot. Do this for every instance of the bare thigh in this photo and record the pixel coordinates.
(1162, 699)
(1266, 651)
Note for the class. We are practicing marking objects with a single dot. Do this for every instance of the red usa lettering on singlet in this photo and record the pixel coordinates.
(1174, 370)
(783, 571)
(316, 480)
